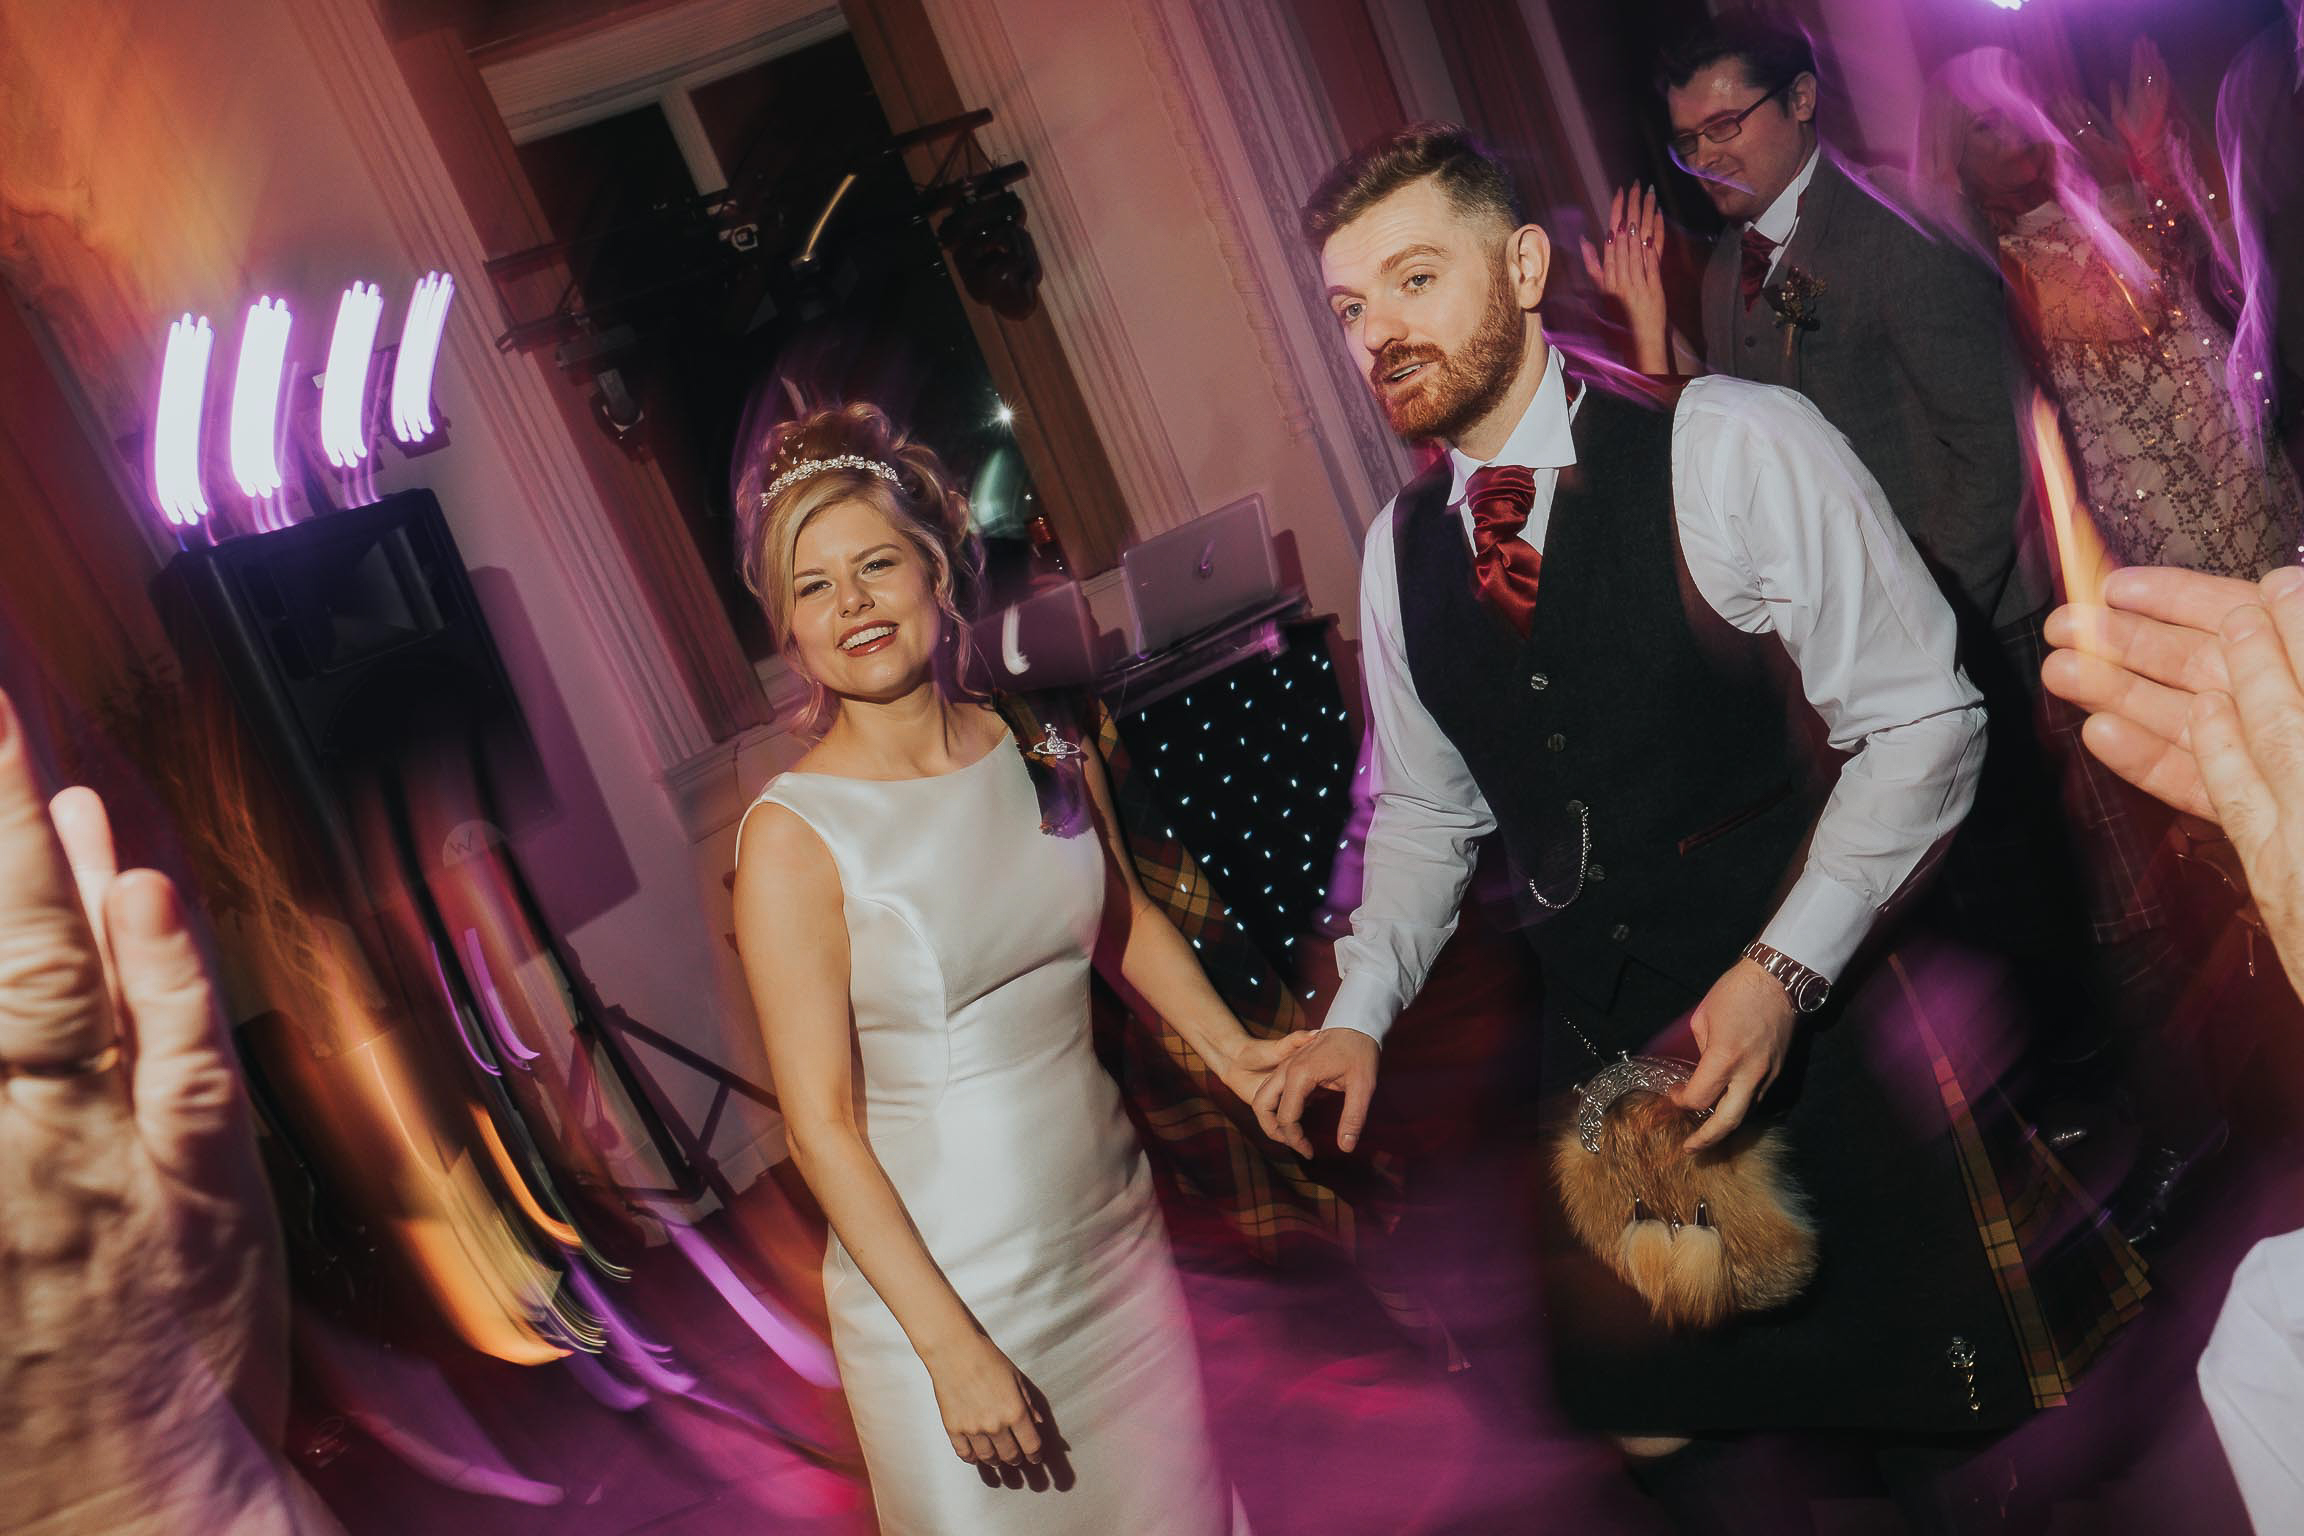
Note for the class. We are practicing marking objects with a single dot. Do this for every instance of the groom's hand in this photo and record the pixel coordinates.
(1743, 1028)
(1343, 1060)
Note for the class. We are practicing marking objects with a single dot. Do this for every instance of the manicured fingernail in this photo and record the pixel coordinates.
(2284, 582)
(2240, 623)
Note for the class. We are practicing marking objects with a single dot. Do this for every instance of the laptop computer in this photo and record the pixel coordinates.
(1044, 640)
(1195, 577)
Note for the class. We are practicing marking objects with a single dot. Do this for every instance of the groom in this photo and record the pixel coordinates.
(1589, 628)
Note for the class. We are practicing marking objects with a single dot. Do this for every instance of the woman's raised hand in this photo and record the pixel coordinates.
(1629, 268)
(2141, 114)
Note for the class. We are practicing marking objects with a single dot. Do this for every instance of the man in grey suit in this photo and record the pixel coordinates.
(1821, 286)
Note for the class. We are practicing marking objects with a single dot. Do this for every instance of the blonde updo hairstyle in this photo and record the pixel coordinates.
(922, 504)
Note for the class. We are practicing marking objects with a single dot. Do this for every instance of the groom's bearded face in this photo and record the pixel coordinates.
(1425, 300)
(1455, 387)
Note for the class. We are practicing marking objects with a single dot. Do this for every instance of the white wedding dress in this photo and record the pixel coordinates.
(969, 933)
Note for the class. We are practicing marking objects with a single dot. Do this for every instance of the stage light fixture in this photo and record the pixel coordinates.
(255, 441)
(419, 353)
(992, 251)
(176, 422)
(344, 388)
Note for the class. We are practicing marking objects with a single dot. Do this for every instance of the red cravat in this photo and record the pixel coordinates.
(1504, 565)
(1759, 250)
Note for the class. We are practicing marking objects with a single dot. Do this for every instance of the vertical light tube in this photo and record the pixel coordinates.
(344, 388)
(419, 353)
(176, 423)
(256, 398)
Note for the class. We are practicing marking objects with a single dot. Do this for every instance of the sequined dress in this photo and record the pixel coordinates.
(2167, 472)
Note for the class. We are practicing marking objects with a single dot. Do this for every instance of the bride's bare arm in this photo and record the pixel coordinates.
(1148, 960)
(794, 941)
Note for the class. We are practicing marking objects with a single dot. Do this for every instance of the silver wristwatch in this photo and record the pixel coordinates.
(1807, 989)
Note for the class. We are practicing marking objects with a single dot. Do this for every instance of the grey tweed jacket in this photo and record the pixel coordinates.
(1909, 357)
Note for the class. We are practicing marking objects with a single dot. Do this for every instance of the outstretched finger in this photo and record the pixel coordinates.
(2193, 600)
(2101, 687)
(1592, 266)
(85, 833)
(53, 1011)
(1615, 212)
(2163, 650)
(190, 1111)
(2163, 769)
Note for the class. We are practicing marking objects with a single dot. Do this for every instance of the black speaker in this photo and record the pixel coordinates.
(350, 641)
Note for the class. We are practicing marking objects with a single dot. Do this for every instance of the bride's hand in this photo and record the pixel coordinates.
(986, 1404)
(1254, 1060)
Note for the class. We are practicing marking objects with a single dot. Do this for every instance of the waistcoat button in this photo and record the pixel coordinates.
(1596, 872)
(1620, 932)
(1539, 682)
(1556, 742)
(1751, 341)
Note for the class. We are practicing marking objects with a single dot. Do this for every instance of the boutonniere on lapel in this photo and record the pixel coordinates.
(1795, 301)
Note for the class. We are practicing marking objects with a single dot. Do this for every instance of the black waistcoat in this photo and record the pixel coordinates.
(1630, 705)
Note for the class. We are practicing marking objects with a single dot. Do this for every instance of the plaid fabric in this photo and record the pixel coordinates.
(1204, 1141)
(2116, 845)
(2067, 1281)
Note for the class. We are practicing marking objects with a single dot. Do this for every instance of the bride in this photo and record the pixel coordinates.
(1007, 1318)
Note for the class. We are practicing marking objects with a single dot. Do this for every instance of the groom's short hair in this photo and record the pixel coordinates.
(1473, 179)
(1772, 50)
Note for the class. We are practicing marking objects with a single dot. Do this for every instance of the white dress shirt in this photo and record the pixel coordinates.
(1784, 533)
(1782, 217)
(2252, 1378)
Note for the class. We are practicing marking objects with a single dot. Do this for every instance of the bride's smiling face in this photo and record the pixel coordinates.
(865, 619)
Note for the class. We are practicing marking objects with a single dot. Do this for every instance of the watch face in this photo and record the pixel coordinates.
(1809, 995)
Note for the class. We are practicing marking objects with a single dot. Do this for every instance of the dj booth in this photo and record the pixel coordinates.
(1228, 704)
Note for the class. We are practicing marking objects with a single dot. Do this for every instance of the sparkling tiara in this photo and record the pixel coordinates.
(807, 467)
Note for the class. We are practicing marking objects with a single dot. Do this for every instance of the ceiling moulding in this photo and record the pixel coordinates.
(601, 72)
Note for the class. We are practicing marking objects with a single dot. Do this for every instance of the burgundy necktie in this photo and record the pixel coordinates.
(1504, 565)
(1759, 251)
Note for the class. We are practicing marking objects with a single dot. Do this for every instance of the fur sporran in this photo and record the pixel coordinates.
(1700, 1237)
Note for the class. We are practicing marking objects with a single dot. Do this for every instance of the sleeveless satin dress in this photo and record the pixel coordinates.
(970, 932)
